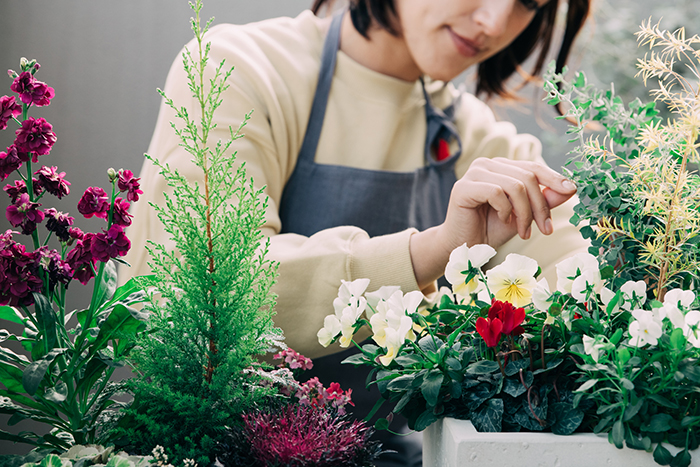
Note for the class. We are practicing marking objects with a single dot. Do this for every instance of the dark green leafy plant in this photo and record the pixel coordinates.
(211, 310)
(56, 368)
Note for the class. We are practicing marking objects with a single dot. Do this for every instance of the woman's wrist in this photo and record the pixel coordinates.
(429, 256)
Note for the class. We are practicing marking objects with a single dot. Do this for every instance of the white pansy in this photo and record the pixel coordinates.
(593, 347)
(462, 260)
(348, 318)
(606, 295)
(513, 280)
(587, 280)
(541, 298)
(379, 295)
(390, 314)
(571, 268)
(645, 329)
(349, 293)
(634, 293)
(331, 328)
(673, 299)
(395, 338)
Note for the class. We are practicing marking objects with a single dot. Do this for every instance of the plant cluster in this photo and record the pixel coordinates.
(56, 369)
(614, 348)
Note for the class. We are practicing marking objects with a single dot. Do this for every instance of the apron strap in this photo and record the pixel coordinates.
(323, 88)
(441, 126)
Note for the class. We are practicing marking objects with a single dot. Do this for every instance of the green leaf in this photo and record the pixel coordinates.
(428, 344)
(431, 387)
(514, 387)
(677, 339)
(410, 361)
(692, 373)
(119, 461)
(567, 418)
(34, 373)
(11, 314)
(357, 359)
(662, 456)
(659, 423)
(424, 420)
(403, 401)
(627, 384)
(586, 386)
(119, 324)
(482, 367)
(618, 434)
(107, 285)
(46, 318)
(401, 383)
(57, 393)
(52, 460)
(490, 417)
(632, 409)
(514, 367)
(661, 400)
(682, 459)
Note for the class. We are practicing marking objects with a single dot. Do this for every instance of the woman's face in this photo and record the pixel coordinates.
(445, 37)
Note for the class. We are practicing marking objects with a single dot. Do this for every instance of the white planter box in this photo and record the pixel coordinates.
(452, 443)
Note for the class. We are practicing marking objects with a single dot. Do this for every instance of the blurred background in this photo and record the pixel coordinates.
(105, 59)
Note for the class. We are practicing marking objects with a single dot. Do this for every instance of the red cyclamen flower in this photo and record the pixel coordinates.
(9, 162)
(127, 182)
(121, 214)
(9, 108)
(94, 202)
(52, 181)
(31, 90)
(35, 136)
(510, 317)
(490, 330)
(110, 244)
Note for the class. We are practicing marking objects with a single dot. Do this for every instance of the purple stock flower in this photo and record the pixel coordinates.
(57, 270)
(23, 213)
(18, 273)
(31, 90)
(14, 191)
(128, 183)
(121, 216)
(110, 244)
(58, 223)
(9, 162)
(8, 108)
(80, 258)
(53, 181)
(94, 203)
(35, 136)
(76, 233)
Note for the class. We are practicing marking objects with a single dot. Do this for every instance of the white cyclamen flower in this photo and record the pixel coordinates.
(349, 293)
(462, 261)
(542, 299)
(569, 269)
(634, 293)
(645, 329)
(513, 280)
(606, 295)
(588, 280)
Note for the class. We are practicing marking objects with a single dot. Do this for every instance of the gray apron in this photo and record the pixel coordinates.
(322, 196)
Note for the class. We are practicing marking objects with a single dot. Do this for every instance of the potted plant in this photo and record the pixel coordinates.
(612, 348)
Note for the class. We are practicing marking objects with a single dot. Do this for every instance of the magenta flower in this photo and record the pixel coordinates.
(18, 273)
(9, 108)
(52, 181)
(80, 258)
(110, 244)
(35, 136)
(9, 162)
(120, 215)
(31, 90)
(128, 183)
(58, 223)
(76, 233)
(57, 270)
(23, 213)
(94, 203)
(293, 360)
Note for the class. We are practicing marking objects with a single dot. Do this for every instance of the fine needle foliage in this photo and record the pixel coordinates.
(212, 314)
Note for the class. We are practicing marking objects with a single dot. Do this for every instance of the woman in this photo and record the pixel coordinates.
(374, 167)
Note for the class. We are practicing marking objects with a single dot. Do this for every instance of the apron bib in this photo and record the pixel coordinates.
(322, 196)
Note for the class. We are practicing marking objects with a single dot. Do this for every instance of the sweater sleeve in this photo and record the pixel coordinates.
(280, 89)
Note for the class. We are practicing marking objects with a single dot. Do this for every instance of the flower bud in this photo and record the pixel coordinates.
(112, 174)
(23, 63)
(12, 74)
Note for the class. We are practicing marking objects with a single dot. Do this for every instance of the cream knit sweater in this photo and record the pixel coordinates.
(372, 122)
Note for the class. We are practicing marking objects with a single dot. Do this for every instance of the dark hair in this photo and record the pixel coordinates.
(494, 71)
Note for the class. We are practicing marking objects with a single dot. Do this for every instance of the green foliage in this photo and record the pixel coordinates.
(211, 314)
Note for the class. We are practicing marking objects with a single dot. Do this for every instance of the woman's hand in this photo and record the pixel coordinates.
(495, 200)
